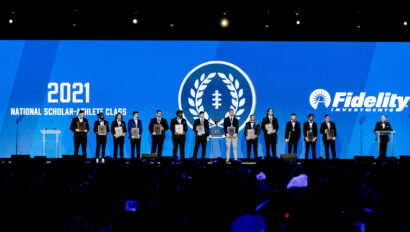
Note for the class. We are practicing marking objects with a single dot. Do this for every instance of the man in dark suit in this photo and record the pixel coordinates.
(101, 139)
(292, 134)
(311, 126)
(324, 127)
(231, 121)
(80, 137)
(383, 125)
(134, 122)
(252, 140)
(270, 137)
(178, 139)
(158, 139)
(201, 138)
(118, 139)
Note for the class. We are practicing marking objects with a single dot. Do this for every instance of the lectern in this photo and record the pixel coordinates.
(55, 132)
(385, 133)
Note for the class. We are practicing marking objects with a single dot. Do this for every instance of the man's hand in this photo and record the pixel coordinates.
(287, 140)
(274, 131)
(77, 130)
(207, 138)
(153, 133)
(235, 135)
(85, 130)
(334, 138)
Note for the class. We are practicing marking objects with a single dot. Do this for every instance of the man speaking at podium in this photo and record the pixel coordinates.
(383, 125)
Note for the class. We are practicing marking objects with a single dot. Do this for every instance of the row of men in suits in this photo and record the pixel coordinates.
(292, 134)
(80, 136)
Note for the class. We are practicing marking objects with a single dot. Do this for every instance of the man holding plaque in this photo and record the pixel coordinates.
(328, 129)
(270, 127)
(310, 134)
(201, 128)
(135, 131)
(383, 125)
(252, 131)
(80, 127)
(101, 129)
(157, 128)
(231, 128)
(292, 134)
(179, 128)
(118, 130)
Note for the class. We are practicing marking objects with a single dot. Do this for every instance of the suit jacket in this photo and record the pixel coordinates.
(275, 125)
(387, 127)
(323, 127)
(227, 123)
(97, 123)
(164, 124)
(206, 126)
(295, 135)
(115, 124)
(174, 122)
(73, 125)
(256, 126)
(131, 124)
(306, 128)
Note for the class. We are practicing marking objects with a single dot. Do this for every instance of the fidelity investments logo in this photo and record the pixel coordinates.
(349, 102)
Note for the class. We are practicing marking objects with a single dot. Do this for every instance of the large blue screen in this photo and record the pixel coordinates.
(43, 84)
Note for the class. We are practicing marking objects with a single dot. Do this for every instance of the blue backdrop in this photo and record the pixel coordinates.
(38, 77)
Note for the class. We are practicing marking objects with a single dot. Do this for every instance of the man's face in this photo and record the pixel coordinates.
(252, 118)
(202, 115)
(327, 118)
(179, 115)
(231, 112)
(310, 118)
(270, 112)
(383, 119)
(102, 116)
(293, 117)
(159, 114)
(81, 115)
(136, 115)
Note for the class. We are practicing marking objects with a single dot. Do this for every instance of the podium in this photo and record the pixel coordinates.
(55, 132)
(216, 138)
(378, 140)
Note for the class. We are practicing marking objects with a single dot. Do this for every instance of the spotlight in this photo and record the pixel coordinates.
(224, 22)
(11, 21)
(134, 21)
(405, 23)
(297, 22)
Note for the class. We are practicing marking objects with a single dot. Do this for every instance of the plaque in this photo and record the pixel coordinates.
(81, 126)
(251, 133)
(269, 128)
(135, 132)
(118, 131)
(330, 134)
(179, 129)
(231, 130)
(310, 135)
(200, 129)
(157, 129)
(290, 133)
(102, 130)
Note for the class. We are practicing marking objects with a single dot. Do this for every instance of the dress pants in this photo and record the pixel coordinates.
(80, 138)
(200, 140)
(101, 143)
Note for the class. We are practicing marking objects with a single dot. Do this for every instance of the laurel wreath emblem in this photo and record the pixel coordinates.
(238, 101)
